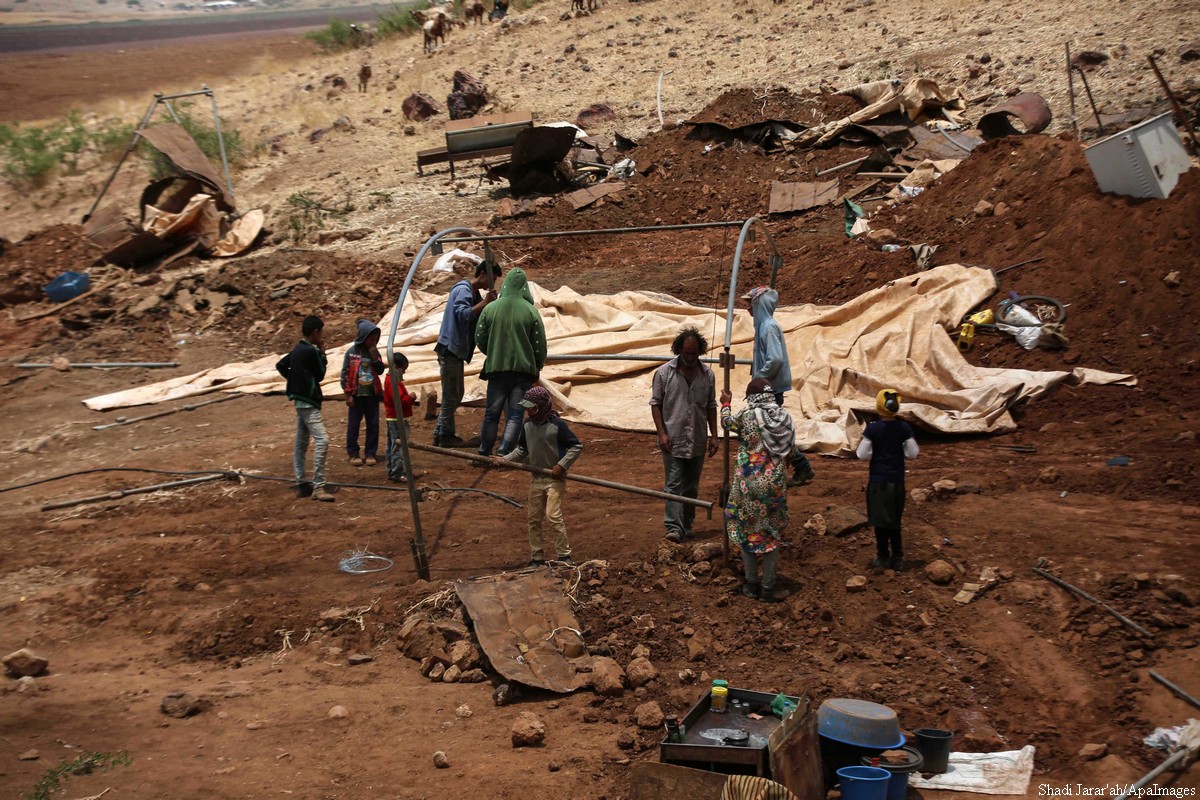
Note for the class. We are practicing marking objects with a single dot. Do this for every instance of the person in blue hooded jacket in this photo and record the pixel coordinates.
(361, 369)
(771, 363)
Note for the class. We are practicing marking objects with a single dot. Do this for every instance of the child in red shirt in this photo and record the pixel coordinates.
(395, 460)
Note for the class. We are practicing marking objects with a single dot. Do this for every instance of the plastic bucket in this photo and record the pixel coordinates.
(934, 745)
(897, 788)
(67, 286)
(864, 783)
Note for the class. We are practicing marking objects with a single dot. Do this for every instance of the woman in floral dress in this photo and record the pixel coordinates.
(756, 514)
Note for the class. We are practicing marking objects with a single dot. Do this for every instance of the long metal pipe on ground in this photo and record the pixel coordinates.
(631, 357)
(622, 487)
(104, 365)
(1175, 690)
(157, 414)
(1060, 582)
(119, 493)
(1178, 757)
(497, 237)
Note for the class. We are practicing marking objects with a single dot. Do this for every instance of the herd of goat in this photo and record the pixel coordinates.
(437, 20)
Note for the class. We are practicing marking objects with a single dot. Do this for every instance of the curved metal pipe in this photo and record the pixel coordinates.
(414, 498)
(727, 361)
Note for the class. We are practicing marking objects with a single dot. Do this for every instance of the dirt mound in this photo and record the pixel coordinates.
(28, 265)
(1106, 257)
(744, 106)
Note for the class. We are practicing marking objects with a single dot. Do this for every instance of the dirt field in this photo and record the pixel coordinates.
(222, 590)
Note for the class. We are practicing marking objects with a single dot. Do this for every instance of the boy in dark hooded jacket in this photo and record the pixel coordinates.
(304, 369)
(361, 369)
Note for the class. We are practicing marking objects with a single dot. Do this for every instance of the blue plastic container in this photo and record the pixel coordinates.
(897, 788)
(67, 286)
(860, 723)
(864, 783)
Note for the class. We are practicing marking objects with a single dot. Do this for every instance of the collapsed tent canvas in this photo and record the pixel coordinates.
(525, 625)
(896, 335)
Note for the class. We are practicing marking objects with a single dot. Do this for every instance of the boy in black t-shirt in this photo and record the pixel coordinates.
(887, 442)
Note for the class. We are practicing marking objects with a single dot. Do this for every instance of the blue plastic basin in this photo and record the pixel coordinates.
(859, 723)
(863, 783)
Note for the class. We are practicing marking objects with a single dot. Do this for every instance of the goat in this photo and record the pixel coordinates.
(475, 11)
(434, 30)
(364, 75)
(578, 5)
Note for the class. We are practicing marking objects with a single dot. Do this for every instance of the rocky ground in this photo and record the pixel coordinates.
(292, 674)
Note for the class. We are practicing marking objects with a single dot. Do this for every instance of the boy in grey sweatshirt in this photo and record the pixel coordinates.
(547, 442)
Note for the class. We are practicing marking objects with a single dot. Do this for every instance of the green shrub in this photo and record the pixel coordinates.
(85, 764)
(396, 21)
(335, 36)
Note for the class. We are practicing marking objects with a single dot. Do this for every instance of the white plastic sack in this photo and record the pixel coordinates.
(1022, 323)
(445, 262)
(986, 773)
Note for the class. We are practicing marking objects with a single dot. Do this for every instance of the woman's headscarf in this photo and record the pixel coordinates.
(774, 423)
(538, 401)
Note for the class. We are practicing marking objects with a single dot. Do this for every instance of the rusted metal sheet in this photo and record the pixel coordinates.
(788, 197)
(1029, 108)
(590, 194)
(651, 781)
(796, 754)
(938, 146)
(525, 625)
(174, 142)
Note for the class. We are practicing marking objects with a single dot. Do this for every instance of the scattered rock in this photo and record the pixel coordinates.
(417, 637)
(468, 98)
(440, 761)
(640, 651)
(504, 694)
(419, 107)
(843, 520)
(25, 662)
(1171, 279)
(940, 572)
(640, 672)
(1088, 60)
(816, 525)
(452, 674)
(856, 584)
(182, 704)
(360, 658)
(626, 741)
(1000, 209)
(438, 670)
(463, 711)
(338, 712)
(648, 715)
(706, 551)
(944, 487)
(698, 645)
(29, 755)
(554, 766)
(608, 678)
(464, 655)
(596, 112)
(984, 209)
(687, 676)
(473, 676)
(528, 730)
(1048, 475)
(1093, 751)
(1189, 51)
(921, 495)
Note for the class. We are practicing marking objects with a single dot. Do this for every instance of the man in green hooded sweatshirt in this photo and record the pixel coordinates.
(511, 334)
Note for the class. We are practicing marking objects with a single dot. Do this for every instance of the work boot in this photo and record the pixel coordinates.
(751, 589)
(304, 489)
(537, 562)
(800, 478)
(355, 461)
(322, 494)
(370, 461)
(674, 536)
(896, 563)
(452, 441)
(879, 562)
(770, 594)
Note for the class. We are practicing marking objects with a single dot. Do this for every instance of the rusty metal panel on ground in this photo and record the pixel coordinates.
(787, 197)
(174, 142)
(796, 754)
(1028, 108)
(590, 194)
(525, 625)
(939, 146)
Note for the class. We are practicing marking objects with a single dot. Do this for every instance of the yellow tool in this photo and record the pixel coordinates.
(985, 317)
(966, 336)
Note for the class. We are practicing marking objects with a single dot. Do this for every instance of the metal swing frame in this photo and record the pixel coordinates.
(455, 235)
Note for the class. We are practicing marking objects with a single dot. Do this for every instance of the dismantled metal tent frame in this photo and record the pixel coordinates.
(456, 235)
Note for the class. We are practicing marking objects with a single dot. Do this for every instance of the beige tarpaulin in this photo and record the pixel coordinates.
(525, 625)
(894, 336)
